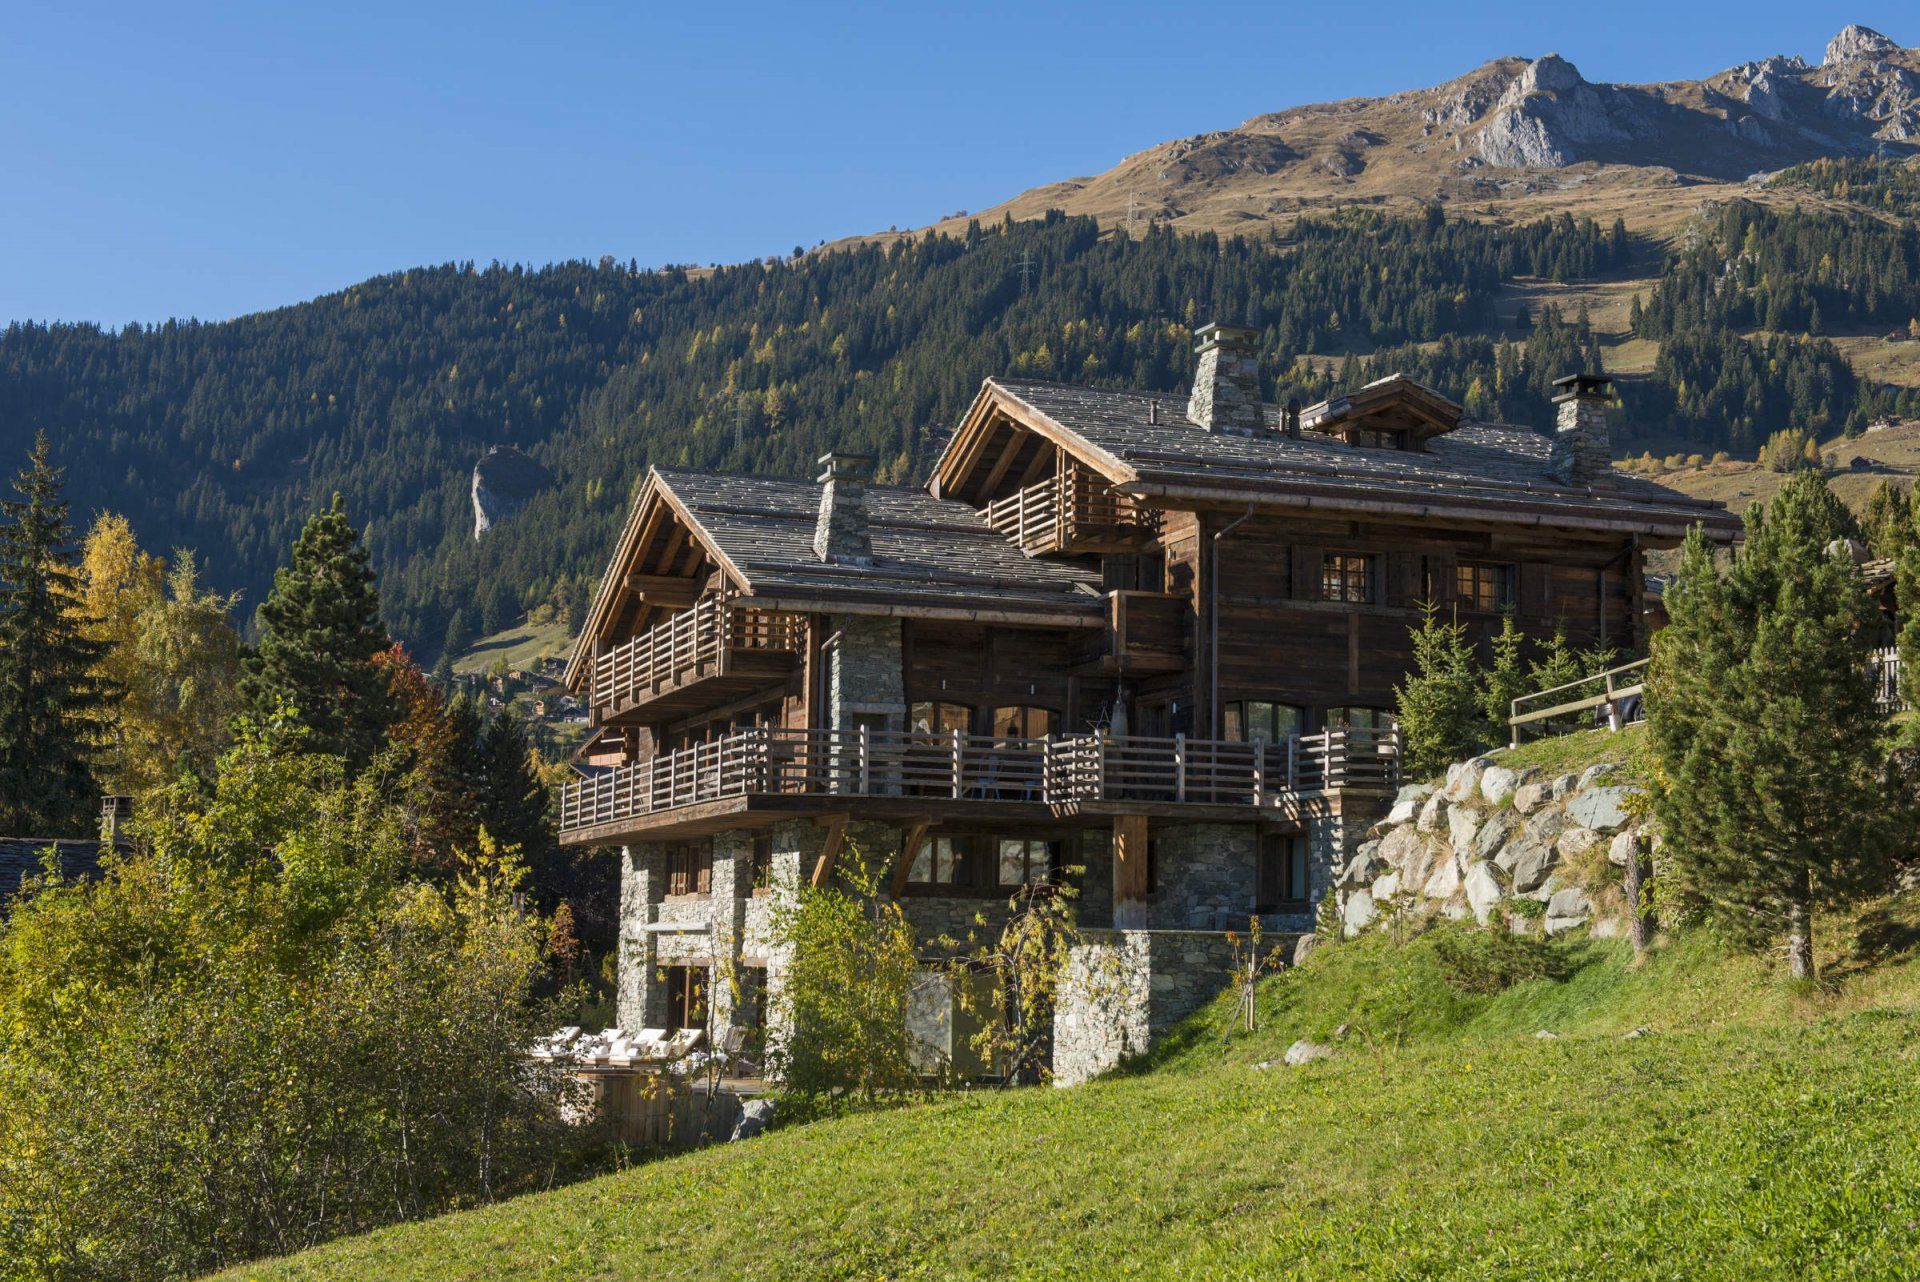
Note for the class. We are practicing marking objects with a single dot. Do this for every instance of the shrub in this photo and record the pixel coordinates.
(1491, 961)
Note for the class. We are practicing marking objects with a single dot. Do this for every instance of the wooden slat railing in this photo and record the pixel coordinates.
(1884, 665)
(683, 643)
(1616, 689)
(1048, 515)
(1057, 771)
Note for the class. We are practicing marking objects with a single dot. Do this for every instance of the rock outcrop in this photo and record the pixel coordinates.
(1490, 836)
(503, 480)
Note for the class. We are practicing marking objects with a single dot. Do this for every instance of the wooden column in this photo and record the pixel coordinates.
(1130, 872)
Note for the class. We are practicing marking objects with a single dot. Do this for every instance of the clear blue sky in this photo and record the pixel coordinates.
(181, 159)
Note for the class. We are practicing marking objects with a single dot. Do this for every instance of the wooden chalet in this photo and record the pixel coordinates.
(1151, 637)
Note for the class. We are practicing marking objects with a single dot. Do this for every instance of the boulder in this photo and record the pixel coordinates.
(1463, 779)
(1597, 773)
(756, 1115)
(1545, 1035)
(1407, 803)
(1493, 834)
(1384, 887)
(1444, 883)
(1359, 912)
(1528, 861)
(1483, 889)
(1497, 784)
(1401, 847)
(1560, 787)
(1432, 813)
(1574, 842)
(1603, 809)
(1568, 908)
(1546, 826)
(1622, 847)
(1362, 868)
(1303, 948)
(1529, 797)
(1305, 1052)
(1462, 824)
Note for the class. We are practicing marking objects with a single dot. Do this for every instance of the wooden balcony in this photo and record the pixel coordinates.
(891, 772)
(1074, 511)
(1146, 632)
(699, 657)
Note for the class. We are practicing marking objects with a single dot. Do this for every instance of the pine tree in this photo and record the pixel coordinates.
(1439, 707)
(1772, 797)
(513, 800)
(51, 700)
(312, 673)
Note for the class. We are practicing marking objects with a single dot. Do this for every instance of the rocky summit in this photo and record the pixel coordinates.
(1518, 136)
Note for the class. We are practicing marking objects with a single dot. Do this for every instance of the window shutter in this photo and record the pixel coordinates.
(1536, 591)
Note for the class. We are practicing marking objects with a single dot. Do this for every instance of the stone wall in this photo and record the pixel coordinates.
(1495, 838)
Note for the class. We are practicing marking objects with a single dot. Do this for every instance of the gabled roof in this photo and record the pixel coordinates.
(1144, 444)
(21, 857)
(931, 558)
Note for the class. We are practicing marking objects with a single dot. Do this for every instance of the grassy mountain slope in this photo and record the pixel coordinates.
(1760, 1129)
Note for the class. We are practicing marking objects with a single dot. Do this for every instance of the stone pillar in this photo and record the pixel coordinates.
(1124, 988)
(641, 1000)
(865, 688)
(732, 881)
(1207, 874)
(1226, 384)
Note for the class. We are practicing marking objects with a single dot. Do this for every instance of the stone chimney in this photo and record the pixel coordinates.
(840, 534)
(1582, 445)
(1226, 386)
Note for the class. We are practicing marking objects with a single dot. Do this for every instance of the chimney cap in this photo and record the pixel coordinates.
(1583, 387)
(837, 466)
(1214, 334)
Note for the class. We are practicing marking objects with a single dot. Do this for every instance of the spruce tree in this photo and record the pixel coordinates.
(1438, 704)
(52, 705)
(513, 801)
(313, 675)
(1772, 797)
(1504, 680)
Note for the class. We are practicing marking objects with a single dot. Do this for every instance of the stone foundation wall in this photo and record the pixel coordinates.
(1125, 988)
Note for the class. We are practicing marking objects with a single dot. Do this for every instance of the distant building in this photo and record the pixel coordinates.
(22, 858)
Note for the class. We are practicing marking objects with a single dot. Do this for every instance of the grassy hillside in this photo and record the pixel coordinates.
(1757, 1129)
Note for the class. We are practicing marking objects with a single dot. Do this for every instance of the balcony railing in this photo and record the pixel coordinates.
(1058, 771)
(695, 641)
(1072, 510)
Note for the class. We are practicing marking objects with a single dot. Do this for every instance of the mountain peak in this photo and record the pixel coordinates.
(1856, 41)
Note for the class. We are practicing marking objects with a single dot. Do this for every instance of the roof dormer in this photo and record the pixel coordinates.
(1389, 413)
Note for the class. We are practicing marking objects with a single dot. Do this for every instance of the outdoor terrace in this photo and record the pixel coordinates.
(698, 656)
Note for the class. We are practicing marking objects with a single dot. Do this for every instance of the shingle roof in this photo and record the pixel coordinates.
(21, 857)
(1491, 466)
(934, 552)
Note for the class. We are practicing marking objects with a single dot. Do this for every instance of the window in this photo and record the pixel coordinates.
(1347, 576)
(750, 1006)
(761, 869)
(942, 861)
(1283, 882)
(1359, 719)
(1023, 723)
(1479, 586)
(690, 868)
(1026, 862)
(942, 718)
(686, 996)
(1373, 439)
(1261, 721)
